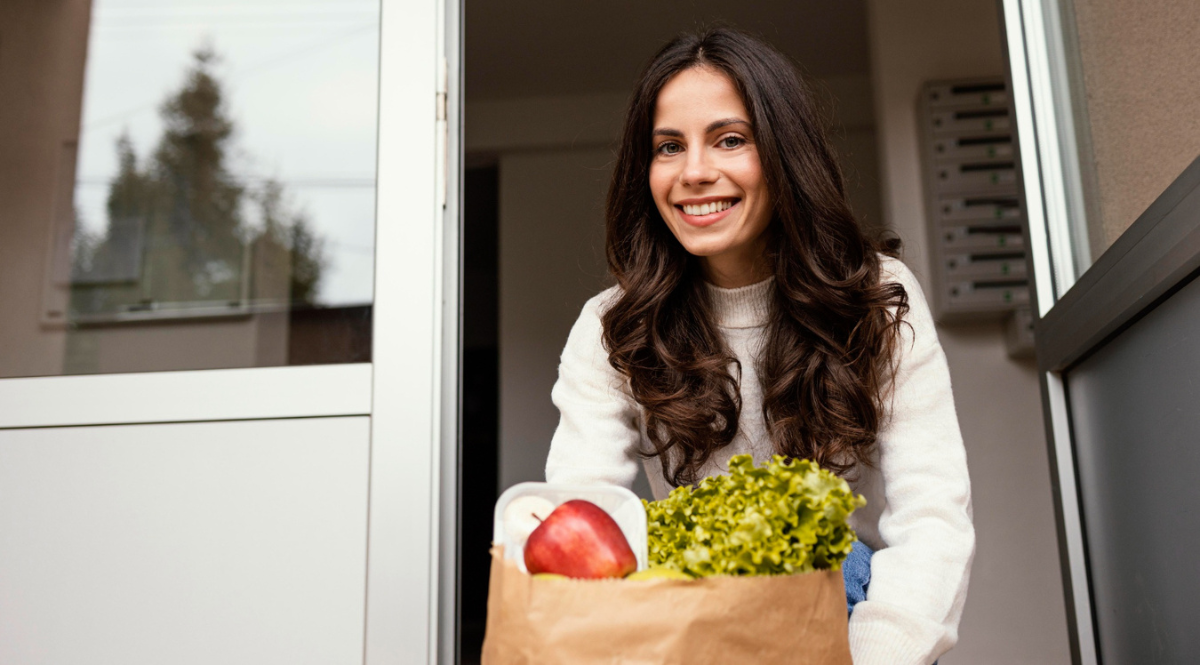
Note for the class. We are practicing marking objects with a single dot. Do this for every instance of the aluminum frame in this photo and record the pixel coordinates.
(1153, 257)
(202, 395)
(451, 312)
(1030, 48)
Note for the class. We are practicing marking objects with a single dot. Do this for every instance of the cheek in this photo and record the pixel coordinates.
(749, 178)
(660, 184)
(747, 173)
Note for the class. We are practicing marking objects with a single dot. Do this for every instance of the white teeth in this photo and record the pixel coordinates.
(707, 208)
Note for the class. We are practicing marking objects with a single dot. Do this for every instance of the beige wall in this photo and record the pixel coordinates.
(216, 343)
(42, 53)
(1014, 611)
(1141, 73)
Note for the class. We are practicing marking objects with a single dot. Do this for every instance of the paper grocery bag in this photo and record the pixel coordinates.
(787, 619)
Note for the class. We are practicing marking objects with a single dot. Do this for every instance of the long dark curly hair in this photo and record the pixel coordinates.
(828, 362)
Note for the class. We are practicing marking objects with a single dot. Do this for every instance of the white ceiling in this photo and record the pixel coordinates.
(526, 48)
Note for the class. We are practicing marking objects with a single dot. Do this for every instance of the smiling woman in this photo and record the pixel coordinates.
(721, 119)
(753, 315)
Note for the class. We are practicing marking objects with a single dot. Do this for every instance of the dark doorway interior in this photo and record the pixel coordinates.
(479, 474)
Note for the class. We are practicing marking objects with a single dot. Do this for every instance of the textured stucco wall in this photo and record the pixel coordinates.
(1141, 73)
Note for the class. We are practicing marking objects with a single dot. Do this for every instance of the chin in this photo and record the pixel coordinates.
(699, 244)
(705, 249)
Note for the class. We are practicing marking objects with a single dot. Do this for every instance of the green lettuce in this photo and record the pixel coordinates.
(787, 516)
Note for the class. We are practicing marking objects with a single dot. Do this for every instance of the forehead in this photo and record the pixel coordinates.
(697, 96)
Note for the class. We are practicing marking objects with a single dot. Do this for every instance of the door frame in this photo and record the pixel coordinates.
(414, 423)
(1045, 134)
(451, 31)
(186, 396)
(1078, 314)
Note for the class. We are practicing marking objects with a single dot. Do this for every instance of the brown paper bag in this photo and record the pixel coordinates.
(789, 619)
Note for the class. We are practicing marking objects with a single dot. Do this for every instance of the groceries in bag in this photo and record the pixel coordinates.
(760, 547)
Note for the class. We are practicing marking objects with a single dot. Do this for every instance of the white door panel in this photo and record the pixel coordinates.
(234, 542)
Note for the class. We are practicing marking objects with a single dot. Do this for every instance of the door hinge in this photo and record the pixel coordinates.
(443, 125)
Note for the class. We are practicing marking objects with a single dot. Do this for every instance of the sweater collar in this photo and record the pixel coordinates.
(743, 307)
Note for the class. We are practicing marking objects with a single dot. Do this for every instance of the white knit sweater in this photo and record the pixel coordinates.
(918, 513)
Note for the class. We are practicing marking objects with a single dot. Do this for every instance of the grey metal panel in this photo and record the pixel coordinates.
(1134, 410)
(1153, 256)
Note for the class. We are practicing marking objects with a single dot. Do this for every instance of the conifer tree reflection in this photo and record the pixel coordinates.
(185, 231)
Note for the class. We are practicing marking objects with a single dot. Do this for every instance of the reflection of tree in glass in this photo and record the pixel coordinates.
(177, 225)
(289, 236)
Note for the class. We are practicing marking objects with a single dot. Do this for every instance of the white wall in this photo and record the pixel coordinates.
(1014, 611)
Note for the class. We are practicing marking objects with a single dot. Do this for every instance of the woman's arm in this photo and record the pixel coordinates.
(598, 433)
(919, 581)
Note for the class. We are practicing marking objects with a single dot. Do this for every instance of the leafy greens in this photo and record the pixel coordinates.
(787, 516)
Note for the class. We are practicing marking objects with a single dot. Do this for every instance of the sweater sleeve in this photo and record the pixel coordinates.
(598, 434)
(919, 580)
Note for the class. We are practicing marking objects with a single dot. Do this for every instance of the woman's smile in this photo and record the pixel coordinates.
(703, 212)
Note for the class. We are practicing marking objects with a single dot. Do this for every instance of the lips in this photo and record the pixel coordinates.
(703, 212)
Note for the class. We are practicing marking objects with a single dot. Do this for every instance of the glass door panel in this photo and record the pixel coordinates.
(202, 194)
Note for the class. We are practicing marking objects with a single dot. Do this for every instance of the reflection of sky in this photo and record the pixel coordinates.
(300, 83)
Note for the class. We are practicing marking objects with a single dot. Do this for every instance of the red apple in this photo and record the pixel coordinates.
(579, 540)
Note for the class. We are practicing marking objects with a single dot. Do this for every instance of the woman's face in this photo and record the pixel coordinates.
(706, 177)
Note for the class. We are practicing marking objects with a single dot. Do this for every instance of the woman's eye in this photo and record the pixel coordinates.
(732, 141)
(669, 149)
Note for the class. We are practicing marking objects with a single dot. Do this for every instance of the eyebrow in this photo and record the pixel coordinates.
(712, 126)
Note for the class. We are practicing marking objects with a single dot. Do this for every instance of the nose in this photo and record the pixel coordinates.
(698, 170)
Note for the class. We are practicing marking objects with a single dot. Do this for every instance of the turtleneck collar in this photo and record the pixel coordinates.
(743, 307)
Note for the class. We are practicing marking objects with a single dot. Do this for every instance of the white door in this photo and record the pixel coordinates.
(225, 326)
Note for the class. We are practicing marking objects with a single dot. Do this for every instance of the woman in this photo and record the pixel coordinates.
(752, 315)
